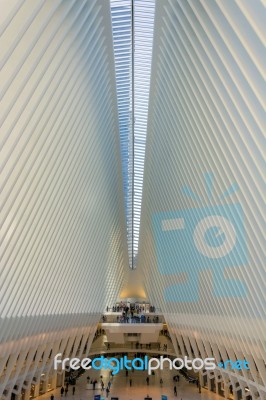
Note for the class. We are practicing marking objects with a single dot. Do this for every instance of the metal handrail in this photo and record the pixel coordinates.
(135, 320)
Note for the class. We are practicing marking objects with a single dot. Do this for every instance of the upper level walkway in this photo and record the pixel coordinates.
(164, 347)
(133, 318)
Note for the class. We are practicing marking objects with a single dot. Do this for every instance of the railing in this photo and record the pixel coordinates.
(136, 319)
(123, 348)
(140, 310)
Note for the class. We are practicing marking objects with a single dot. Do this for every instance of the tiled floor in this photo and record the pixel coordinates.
(120, 385)
(120, 388)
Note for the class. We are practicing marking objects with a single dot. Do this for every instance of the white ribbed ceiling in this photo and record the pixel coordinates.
(75, 74)
(61, 194)
(206, 136)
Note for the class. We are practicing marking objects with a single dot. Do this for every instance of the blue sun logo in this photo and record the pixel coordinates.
(190, 241)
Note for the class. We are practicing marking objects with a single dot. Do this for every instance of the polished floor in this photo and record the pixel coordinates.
(139, 390)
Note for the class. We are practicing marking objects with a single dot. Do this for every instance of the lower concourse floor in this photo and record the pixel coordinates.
(120, 387)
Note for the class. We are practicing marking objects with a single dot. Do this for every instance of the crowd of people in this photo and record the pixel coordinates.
(132, 313)
(106, 387)
(135, 308)
(140, 345)
(64, 390)
(133, 319)
(176, 378)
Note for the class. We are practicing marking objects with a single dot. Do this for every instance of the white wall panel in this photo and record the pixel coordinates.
(206, 133)
(63, 231)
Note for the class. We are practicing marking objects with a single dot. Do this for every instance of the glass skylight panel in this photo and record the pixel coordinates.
(143, 40)
(133, 69)
(121, 12)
